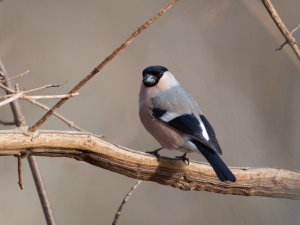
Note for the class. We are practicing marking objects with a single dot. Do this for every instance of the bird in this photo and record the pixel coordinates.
(171, 115)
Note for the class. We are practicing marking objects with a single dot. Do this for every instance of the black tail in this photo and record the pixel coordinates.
(222, 171)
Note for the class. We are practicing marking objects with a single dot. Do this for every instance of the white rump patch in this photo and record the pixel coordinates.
(204, 132)
(189, 147)
(168, 116)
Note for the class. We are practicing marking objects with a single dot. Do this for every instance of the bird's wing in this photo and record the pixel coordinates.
(175, 110)
(211, 133)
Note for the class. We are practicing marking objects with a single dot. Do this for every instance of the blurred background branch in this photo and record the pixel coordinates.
(124, 201)
(276, 183)
(283, 29)
(19, 120)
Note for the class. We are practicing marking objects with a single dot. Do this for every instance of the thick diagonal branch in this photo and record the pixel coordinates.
(267, 182)
(109, 58)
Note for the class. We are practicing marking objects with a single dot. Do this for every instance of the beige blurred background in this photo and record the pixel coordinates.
(221, 50)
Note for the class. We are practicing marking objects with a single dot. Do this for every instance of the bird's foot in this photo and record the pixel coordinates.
(184, 159)
(155, 153)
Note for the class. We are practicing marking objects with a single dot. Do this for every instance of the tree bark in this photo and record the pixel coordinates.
(268, 182)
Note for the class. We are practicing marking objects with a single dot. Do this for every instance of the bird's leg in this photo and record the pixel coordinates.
(155, 152)
(184, 159)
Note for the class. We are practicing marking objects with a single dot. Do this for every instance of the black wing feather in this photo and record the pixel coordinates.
(157, 112)
(186, 123)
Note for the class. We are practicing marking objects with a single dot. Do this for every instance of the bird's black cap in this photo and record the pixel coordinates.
(155, 70)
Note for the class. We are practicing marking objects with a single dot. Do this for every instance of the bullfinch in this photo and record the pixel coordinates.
(174, 119)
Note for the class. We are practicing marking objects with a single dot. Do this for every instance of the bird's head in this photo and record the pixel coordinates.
(152, 75)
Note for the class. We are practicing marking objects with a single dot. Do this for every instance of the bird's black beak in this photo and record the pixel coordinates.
(149, 80)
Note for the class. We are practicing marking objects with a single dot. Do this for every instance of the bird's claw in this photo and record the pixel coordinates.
(185, 159)
(155, 153)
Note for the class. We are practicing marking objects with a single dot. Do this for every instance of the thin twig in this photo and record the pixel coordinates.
(39, 183)
(281, 46)
(35, 97)
(59, 116)
(17, 76)
(7, 89)
(125, 200)
(281, 26)
(104, 62)
(20, 181)
(42, 87)
(11, 99)
(284, 43)
(295, 29)
(32, 90)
